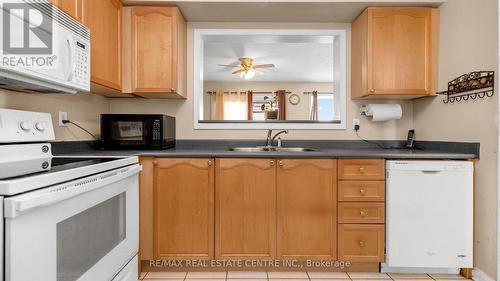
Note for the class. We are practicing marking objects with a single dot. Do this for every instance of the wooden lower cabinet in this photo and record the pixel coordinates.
(353, 212)
(362, 169)
(373, 191)
(306, 209)
(361, 242)
(361, 210)
(245, 209)
(183, 208)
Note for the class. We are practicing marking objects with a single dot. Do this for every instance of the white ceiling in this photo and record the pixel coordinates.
(296, 58)
(278, 10)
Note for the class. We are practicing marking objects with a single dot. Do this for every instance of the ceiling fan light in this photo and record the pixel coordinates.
(249, 74)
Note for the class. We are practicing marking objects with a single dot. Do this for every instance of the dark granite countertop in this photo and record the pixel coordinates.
(324, 149)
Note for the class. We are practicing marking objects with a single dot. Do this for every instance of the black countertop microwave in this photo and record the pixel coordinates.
(137, 131)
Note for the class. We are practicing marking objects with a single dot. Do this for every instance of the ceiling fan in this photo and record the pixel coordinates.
(247, 68)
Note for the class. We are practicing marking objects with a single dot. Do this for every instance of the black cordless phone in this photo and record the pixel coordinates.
(410, 139)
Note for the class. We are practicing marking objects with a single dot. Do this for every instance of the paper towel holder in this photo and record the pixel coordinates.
(378, 115)
(363, 110)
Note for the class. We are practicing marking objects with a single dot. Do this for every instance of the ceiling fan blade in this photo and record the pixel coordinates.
(229, 65)
(259, 72)
(264, 65)
(238, 71)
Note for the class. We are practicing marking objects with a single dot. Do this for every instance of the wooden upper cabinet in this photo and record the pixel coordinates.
(70, 7)
(156, 52)
(306, 209)
(183, 208)
(394, 53)
(245, 209)
(103, 18)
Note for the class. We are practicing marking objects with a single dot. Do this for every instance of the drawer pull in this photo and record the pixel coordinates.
(362, 192)
(361, 170)
(361, 243)
(155, 162)
(281, 163)
(363, 213)
(209, 162)
(271, 163)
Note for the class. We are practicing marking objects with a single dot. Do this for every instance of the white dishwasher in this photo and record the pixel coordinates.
(429, 215)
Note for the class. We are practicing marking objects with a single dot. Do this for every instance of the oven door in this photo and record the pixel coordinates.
(82, 230)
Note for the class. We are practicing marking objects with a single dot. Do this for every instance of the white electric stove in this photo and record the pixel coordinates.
(64, 218)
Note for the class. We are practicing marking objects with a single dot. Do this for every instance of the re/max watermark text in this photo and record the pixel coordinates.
(236, 263)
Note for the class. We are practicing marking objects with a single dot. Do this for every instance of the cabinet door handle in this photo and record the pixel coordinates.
(155, 162)
(361, 243)
(172, 89)
(363, 213)
(209, 162)
(362, 191)
(281, 163)
(271, 163)
(372, 90)
(361, 170)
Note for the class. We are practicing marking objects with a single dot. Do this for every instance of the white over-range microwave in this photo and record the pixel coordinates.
(42, 49)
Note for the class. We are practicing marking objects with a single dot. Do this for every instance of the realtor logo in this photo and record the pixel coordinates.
(26, 30)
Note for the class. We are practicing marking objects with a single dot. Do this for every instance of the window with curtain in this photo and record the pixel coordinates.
(322, 107)
(230, 106)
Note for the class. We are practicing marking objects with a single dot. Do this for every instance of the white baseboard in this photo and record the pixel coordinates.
(385, 268)
(479, 275)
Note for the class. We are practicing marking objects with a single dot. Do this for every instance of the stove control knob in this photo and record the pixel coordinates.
(25, 125)
(39, 126)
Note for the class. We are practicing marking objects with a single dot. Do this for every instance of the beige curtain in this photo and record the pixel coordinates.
(314, 106)
(230, 106)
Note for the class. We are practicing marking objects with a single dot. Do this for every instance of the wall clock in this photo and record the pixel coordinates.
(294, 99)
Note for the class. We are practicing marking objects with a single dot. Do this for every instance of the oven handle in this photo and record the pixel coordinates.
(17, 205)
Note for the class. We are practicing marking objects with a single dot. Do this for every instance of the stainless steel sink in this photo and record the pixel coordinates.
(252, 149)
(296, 149)
(271, 148)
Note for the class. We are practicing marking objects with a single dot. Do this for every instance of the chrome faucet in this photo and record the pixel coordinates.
(270, 139)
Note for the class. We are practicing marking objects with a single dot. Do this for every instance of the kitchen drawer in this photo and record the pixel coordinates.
(361, 242)
(361, 212)
(361, 191)
(361, 169)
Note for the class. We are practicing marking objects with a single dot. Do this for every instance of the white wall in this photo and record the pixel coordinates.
(469, 43)
(84, 109)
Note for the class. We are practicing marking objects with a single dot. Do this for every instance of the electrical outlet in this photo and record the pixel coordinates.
(62, 116)
(355, 122)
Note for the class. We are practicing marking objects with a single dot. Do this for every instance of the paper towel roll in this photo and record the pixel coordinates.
(383, 112)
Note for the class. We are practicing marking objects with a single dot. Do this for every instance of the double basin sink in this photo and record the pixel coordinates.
(271, 149)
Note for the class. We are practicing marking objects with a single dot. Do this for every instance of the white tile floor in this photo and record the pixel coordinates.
(292, 276)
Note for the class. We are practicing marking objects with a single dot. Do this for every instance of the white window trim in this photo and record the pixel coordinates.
(340, 86)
